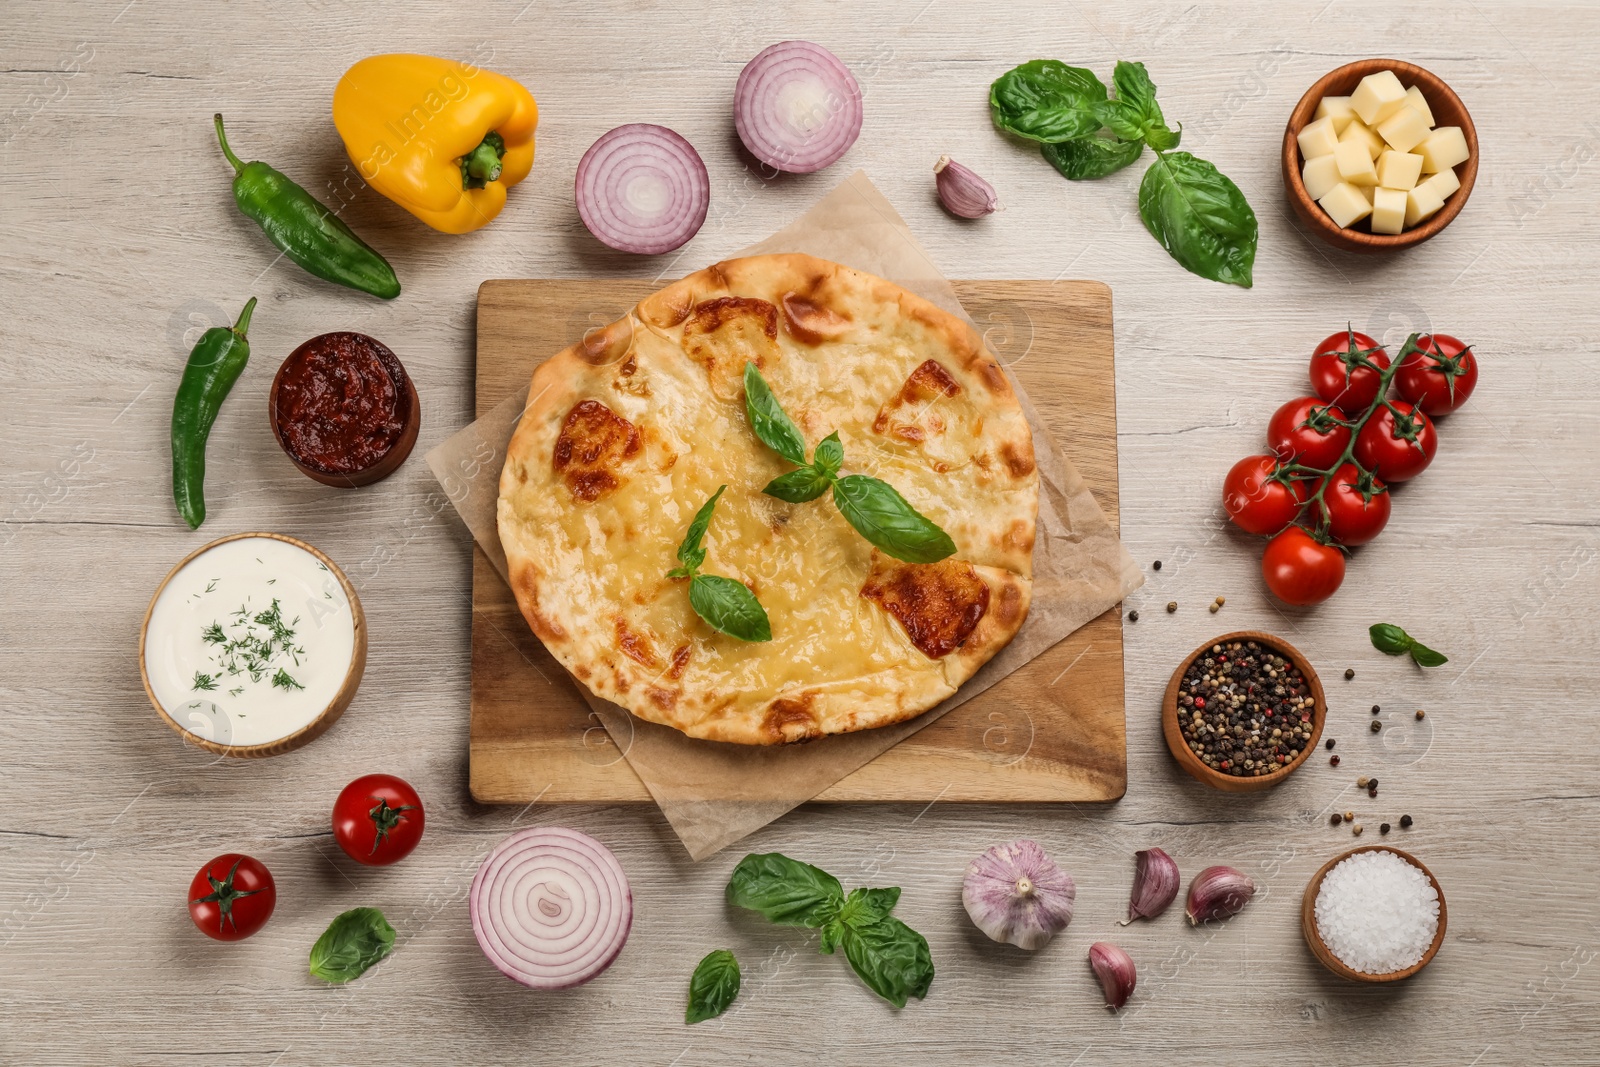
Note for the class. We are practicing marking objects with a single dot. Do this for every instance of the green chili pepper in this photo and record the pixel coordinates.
(307, 232)
(215, 364)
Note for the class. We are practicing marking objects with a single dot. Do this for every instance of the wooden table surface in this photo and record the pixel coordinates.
(118, 242)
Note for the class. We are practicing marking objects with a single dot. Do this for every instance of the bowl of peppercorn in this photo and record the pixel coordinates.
(1243, 711)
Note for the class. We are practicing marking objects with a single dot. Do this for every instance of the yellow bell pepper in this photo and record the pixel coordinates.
(441, 138)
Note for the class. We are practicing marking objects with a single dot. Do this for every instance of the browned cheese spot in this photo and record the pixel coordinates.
(526, 583)
(635, 646)
(665, 699)
(911, 413)
(724, 334)
(937, 604)
(680, 661)
(791, 720)
(594, 441)
(1019, 458)
(809, 322)
(1019, 536)
(1010, 606)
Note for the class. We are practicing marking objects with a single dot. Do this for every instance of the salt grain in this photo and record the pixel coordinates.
(1377, 913)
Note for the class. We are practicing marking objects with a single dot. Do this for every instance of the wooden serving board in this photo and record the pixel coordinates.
(1051, 731)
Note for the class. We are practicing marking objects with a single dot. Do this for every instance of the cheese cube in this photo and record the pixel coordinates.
(1388, 210)
(1361, 133)
(1403, 130)
(1338, 109)
(1443, 149)
(1320, 175)
(1345, 204)
(1318, 138)
(1444, 183)
(1422, 203)
(1377, 97)
(1416, 100)
(1355, 166)
(1399, 170)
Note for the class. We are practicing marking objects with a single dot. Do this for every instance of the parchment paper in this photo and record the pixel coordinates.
(713, 794)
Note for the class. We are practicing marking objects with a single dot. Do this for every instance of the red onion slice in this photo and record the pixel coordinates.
(551, 908)
(796, 107)
(642, 188)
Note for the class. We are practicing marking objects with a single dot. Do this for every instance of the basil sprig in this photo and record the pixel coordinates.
(890, 957)
(1393, 641)
(874, 507)
(1198, 215)
(712, 987)
(727, 605)
(352, 943)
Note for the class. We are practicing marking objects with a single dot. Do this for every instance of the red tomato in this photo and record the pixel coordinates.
(1256, 503)
(1299, 569)
(377, 819)
(1396, 448)
(1356, 505)
(1338, 375)
(232, 897)
(1439, 376)
(1307, 431)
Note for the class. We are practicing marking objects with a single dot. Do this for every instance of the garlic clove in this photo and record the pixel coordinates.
(961, 191)
(1017, 895)
(1155, 884)
(1218, 892)
(1116, 972)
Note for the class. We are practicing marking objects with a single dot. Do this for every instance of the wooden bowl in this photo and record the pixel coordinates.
(391, 460)
(1319, 948)
(1226, 782)
(1448, 110)
(311, 730)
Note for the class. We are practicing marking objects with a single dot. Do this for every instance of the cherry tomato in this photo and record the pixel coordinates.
(1356, 505)
(1338, 377)
(1439, 376)
(1256, 503)
(232, 897)
(1396, 448)
(1301, 570)
(378, 819)
(1306, 430)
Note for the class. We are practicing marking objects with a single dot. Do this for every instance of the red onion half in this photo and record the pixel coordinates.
(551, 907)
(642, 188)
(796, 107)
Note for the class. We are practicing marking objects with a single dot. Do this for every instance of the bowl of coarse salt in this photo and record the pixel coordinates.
(1373, 914)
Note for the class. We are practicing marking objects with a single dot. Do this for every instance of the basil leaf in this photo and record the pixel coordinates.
(690, 554)
(768, 419)
(352, 943)
(1135, 89)
(891, 958)
(829, 455)
(729, 606)
(1121, 118)
(799, 485)
(712, 987)
(1389, 639)
(1046, 100)
(1091, 157)
(1160, 138)
(1200, 217)
(785, 891)
(1427, 657)
(863, 907)
(881, 515)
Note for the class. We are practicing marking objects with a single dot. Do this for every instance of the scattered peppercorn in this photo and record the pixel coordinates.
(1328, 743)
(1361, 783)
(1383, 828)
(1405, 822)
(1376, 725)
(1333, 760)
(1221, 600)
(1372, 783)
(1349, 816)
(1421, 714)
(1376, 709)
(1214, 609)
(1356, 829)
(1172, 605)
(1158, 564)
(1349, 673)
(1133, 616)
(1336, 819)
(1245, 709)
(1372, 791)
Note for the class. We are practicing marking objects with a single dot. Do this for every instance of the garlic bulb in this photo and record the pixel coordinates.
(1155, 884)
(1115, 970)
(961, 191)
(1017, 895)
(1218, 892)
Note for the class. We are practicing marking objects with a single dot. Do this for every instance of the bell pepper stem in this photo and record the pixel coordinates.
(483, 164)
(221, 137)
(242, 327)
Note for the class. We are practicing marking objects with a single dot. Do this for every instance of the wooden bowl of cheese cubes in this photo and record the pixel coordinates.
(1379, 155)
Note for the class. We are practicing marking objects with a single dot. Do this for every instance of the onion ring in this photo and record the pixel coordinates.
(642, 188)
